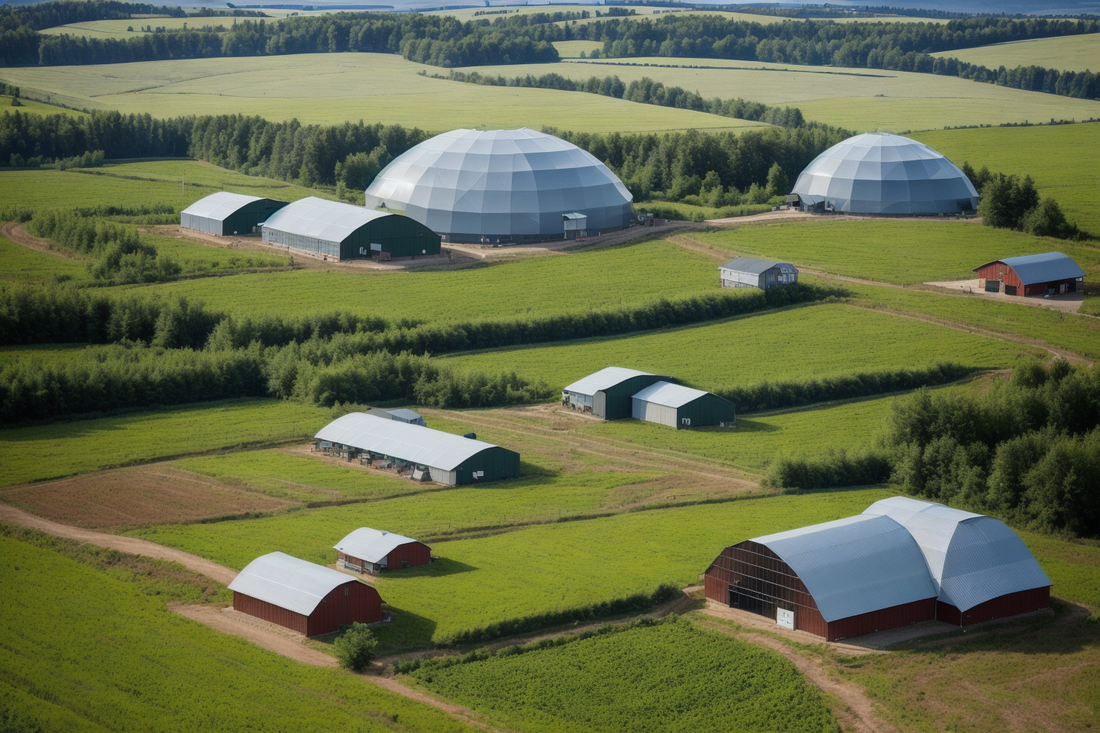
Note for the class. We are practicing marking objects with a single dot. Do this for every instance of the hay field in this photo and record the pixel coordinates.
(31, 106)
(1070, 53)
(102, 29)
(858, 99)
(330, 88)
(1064, 160)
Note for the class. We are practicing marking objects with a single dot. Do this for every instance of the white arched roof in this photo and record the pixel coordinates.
(329, 221)
(219, 206)
(288, 582)
(412, 443)
(880, 173)
(371, 544)
(972, 558)
(855, 565)
(604, 379)
(500, 183)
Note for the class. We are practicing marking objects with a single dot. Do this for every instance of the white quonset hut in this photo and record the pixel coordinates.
(681, 407)
(880, 173)
(447, 458)
(369, 550)
(226, 214)
(608, 392)
(839, 579)
(981, 568)
(745, 272)
(341, 231)
(502, 186)
(302, 596)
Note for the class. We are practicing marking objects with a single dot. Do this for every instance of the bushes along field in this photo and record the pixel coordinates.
(666, 675)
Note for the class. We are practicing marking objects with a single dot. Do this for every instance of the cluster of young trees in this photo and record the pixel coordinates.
(119, 256)
(1010, 202)
(1027, 450)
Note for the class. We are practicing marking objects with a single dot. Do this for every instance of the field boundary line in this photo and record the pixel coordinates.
(17, 234)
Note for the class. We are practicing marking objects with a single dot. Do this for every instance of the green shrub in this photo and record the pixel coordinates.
(356, 647)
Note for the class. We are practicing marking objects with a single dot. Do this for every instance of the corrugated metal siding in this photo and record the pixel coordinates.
(450, 478)
(707, 410)
(886, 618)
(660, 414)
(269, 612)
(1013, 604)
(491, 464)
(619, 398)
(1000, 271)
(347, 604)
(409, 555)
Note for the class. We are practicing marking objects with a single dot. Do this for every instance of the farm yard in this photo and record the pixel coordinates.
(572, 597)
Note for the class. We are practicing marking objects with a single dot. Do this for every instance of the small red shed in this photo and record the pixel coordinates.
(369, 550)
(1050, 273)
(302, 596)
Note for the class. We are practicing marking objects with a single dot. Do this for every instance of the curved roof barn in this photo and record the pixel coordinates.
(880, 173)
(505, 184)
(287, 582)
(224, 213)
(1041, 268)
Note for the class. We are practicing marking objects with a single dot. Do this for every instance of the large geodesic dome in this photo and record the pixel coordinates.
(879, 173)
(502, 185)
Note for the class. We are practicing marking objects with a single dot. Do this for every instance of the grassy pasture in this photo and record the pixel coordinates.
(332, 88)
(102, 29)
(797, 344)
(31, 106)
(641, 679)
(121, 661)
(195, 258)
(534, 286)
(862, 100)
(1069, 53)
(21, 264)
(56, 450)
(1064, 160)
(176, 182)
(902, 252)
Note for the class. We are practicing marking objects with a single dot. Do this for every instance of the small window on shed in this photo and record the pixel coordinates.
(345, 591)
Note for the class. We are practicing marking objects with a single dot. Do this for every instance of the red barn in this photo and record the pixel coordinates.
(1050, 273)
(837, 580)
(369, 550)
(302, 596)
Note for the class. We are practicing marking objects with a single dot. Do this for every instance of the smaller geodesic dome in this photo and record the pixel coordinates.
(502, 185)
(880, 173)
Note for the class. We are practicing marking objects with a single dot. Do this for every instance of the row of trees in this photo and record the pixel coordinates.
(1027, 450)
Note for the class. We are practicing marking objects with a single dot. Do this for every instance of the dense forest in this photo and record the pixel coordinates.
(515, 39)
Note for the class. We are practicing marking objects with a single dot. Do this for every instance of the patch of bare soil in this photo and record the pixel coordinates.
(272, 637)
(22, 237)
(132, 545)
(130, 497)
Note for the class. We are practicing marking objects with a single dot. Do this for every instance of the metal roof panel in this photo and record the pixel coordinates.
(604, 379)
(371, 544)
(219, 206)
(288, 582)
(669, 395)
(330, 221)
(1042, 268)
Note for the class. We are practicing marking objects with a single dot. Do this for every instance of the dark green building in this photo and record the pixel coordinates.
(341, 231)
(226, 214)
(607, 393)
(681, 407)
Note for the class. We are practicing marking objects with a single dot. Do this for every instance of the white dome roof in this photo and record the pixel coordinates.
(879, 173)
(500, 183)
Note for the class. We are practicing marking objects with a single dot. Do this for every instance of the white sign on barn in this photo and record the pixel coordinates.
(784, 618)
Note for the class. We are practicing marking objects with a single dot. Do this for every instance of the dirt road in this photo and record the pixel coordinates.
(132, 545)
(22, 237)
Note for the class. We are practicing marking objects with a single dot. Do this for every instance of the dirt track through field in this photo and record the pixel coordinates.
(22, 237)
(132, 545)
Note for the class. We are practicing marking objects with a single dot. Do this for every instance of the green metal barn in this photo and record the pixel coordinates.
(340, 231)
(226, 214)
(607, 393)
(681, 407)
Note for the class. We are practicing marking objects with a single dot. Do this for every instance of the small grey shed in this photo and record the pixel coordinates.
(745, 272)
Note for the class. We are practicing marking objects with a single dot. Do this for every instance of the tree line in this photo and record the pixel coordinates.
(1028, 450)
(1011, 202)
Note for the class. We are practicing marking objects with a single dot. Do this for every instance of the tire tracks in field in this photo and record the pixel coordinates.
(23, 238)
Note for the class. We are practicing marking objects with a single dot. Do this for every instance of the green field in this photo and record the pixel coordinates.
(798, 344)
(621, 275)
(668, 677)
(179, 183)
(1068, 53)
(330, 88)
(902, 252)
(62, 449)
(862, 100)
(20, 264)
(89, 651)
(34, 107)
(1064, 160)
(101, 29)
